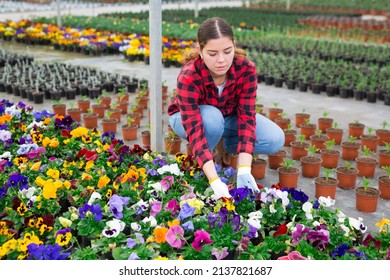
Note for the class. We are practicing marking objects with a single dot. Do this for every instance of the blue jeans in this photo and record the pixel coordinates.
(270, 137)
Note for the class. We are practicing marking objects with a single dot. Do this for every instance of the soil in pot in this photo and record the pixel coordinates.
(59, 109)
(75, 113)
(290, 135)
(319, 140)
(308, 129)
(274, 113)
(83, 105)
(347, 177)
(109, 125)
(129, 132)
(299, 149)
(283, 123)
(90, 120)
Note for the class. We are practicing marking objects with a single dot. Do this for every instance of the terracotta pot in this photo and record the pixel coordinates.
(274, 113)
(109, 125)
(301, 118)
(290, 135)
(123, 106)
(129, 132)
(349, 150)
(123, 97)
(384, 136)
(324, 124)
(91, 120)
(75, 113)
(366, 166)
(145, 135)
(336, 134)
(369, 141)
(355, 129)
(233, 161)
(136, 118)
(83, 105)
(258, 168)
(106, 100)
(319, 141)
(172, 145)
(308, 129)
(189, 149)
(298, 149)
(330, 158)
(384, 186)
(99, 109)
(326, 187)
(115, 113)
(383, 158)
(367, 201)
(59, 109)
(275, 160)
(283, 123)
(347, 177)
(310, 166)
(288, 177)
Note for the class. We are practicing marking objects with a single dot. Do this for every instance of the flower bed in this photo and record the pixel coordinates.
(67, 192)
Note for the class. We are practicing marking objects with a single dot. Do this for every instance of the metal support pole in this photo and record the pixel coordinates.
(196, 10)
(155, 83)
(59, 13)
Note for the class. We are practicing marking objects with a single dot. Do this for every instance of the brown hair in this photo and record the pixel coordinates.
(212, 28)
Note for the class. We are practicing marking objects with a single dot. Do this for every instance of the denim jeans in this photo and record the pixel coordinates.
(270, 137)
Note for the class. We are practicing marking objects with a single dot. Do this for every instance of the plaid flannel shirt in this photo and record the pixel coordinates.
(195, 87)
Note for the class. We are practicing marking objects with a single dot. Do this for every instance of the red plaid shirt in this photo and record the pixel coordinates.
(195, 87)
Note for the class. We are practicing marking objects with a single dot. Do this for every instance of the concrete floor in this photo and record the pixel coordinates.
(341, 110)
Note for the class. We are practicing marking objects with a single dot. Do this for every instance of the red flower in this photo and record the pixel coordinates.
(282, 229)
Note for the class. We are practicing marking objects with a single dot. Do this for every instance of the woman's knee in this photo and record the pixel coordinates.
(213, 120)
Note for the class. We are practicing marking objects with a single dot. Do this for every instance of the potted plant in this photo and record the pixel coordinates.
(347, 176)
(275, 111)
(383, 134)
(109, 124)
(326, 185)
(99, 108)
(74, 112)
(276, 159)
(145, 135)
(319, 139)
(366, 164)
(311, 163)
(283, 121)
(129, 130)
(335, 133)
(384, 156)
(172, 143)
(356, 129)
(384, 183)
(325, 122)
(90, 119)
(290, 135)
(308, 129)
(258, 167)
(329, 155)
(84, 104)
(299, 148)
(105, 99)
(288, 173)
(367, 197)
(369, 140)
(115, 111)
(301, 118)
(59, 108)
(350, 149)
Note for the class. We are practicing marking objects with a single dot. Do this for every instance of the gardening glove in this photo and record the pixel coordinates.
(245, 179)
(219, 188)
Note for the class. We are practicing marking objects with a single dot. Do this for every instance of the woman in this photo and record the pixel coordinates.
(216, 94)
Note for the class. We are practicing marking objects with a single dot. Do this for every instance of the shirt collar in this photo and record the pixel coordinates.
(207, 80)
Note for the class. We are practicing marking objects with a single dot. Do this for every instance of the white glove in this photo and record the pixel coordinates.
(220, 189)
(245, 179)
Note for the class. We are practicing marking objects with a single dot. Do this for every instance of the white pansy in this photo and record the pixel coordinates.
(272, 209)
(358, 224)
(151, 220)
(326, 201)
(307, 207)
(114, 227)
(135, 226)
(27, 193)
(94, 196)
(256, 215)
(345, 229)
(172, 168)
(283, 196)
(156, 186)
(341, 217)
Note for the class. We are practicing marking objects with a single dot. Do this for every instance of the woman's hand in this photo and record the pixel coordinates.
(220, 189)
(245, 179)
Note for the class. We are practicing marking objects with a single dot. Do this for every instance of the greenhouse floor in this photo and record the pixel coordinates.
(341, 110)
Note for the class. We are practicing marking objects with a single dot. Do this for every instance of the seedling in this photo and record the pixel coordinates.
(327, 172)
(301, 138)
(387, 169)
(312, 150)
(367, 152)
(335, 125)
(366, 183)
(288, 163)
(325, 114)
(329, 144)
(384, 124)
(370, 131)
(348, 165)
(352, 139)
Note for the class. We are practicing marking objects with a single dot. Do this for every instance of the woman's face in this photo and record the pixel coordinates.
(218, 55)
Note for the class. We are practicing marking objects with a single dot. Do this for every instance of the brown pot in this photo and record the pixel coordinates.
(233, 161)
(288, 177)
(275, 160)
(370, 142)
(145, 135)
(123, 97)
(83, 105)
(383, 158)
(258, 168)
(330, 158)
(189, 149)
(310, 166)
(301, 118)
(123, 106)
(384, 186)
(308, 129)
(349, 150)
(326, 187)
(106, 100)
(319, 141)
(91, 120)
(59, 109)
(347, 177)
(367, 201)
(136, 118)
(384, 136)
(366, 166)
(298, 149)
(75, 113)
(172, 145)
(129, 132)
(274, 113)
(283, 123)
(115, 113)
(324, 124)
(355, 129)
(290, 135)
(109, 125)
(99, 109)
(336, 134)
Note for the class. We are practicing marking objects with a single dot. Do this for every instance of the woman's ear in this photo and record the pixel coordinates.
(199, 51)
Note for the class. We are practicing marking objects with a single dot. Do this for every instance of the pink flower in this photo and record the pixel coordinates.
(155, 208)
(167, 182)
(294, 255)
(201, 238)
(173, 206)
(174, 236)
